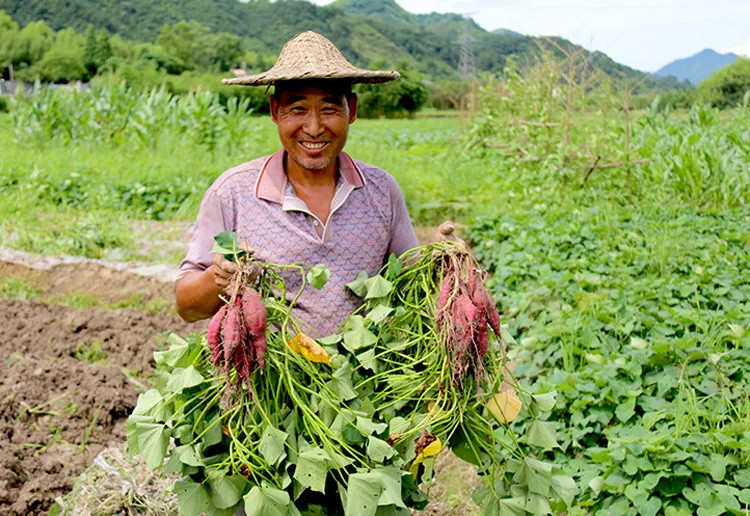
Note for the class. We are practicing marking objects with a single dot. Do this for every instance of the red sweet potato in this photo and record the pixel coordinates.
(231, 332)
(214, 336)
(254, 312)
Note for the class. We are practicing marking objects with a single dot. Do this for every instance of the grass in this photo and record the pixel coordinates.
(85, 199)
(18, 288)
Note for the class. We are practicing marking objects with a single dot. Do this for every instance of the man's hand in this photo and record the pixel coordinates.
(223, 271)
(445, 232)
(198, 294)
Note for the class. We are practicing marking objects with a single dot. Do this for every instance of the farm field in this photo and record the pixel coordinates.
(626, 289)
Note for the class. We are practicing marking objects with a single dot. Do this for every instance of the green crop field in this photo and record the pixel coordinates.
(625, 287)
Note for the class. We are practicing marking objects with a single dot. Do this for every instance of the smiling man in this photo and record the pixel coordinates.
(310, 202)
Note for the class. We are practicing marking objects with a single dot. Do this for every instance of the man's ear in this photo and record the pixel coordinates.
(352, 101)
(274, 108)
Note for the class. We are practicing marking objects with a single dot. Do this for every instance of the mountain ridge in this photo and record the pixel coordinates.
(365, 31)
(697, 67)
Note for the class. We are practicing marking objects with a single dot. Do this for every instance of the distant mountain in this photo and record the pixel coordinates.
(696, 67)
(364, 30)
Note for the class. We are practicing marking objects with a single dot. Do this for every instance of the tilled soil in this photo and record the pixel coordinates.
(68, 380)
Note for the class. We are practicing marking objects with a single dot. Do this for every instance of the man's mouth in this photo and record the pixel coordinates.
(313, 145)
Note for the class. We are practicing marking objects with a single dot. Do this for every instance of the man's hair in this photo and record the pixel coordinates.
(335, 86)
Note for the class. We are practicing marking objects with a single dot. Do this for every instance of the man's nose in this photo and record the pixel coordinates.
(313, 125)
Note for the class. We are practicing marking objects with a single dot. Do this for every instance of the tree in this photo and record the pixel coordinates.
(394, 99)
(63, 62)
(179, 40)
(33, 41)
(103, 49)
(727, 86)
(89, 51)
(217, 52)
(8, 41)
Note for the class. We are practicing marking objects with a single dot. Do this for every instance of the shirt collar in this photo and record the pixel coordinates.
(272, 180)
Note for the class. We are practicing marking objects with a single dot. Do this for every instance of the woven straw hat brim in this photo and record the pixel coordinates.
(310, 56)
(357, 76)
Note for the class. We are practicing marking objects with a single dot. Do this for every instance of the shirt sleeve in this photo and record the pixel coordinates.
(403, 236)
(210, 222)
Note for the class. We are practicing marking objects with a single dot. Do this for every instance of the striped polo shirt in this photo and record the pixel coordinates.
(368, 221)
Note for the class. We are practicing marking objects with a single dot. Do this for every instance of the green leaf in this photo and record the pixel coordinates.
(367, 360)
(153, 439)
(178, 354)
(193, 498)
(565, 487)
(379, 450)
(378, 487)
(188, 455)
(542, 434)
(227, 244)
(268, 501)
(132, 431)
(312, 469)
(185, 378)
(351, 435)
(596, 484)
(341, 383)
(515, 506)
(625, 411)
(318, 276)
(390, 481)
(367, 426)
(213, 433)
(394, 266)
(379, 313)
(717, 467)
(647, 506)
(271, 445)
(377, 287)
(537, 504)
(149, 403)
(363, 494)
(226, 490)
(358, 286)
(356, 335)
(536, 475)
(545, 402)
(398, 425)
(330, 340)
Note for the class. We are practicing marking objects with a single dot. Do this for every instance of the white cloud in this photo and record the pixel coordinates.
(743, 50)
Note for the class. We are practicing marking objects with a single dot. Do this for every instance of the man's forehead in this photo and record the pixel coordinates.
(333, 90)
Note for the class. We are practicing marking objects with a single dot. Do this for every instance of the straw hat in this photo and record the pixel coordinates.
(312, 56)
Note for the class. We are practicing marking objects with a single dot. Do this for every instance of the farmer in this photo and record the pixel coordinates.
(310, 202)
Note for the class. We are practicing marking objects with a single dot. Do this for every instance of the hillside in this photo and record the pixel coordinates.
(365, 30)
(697, 67)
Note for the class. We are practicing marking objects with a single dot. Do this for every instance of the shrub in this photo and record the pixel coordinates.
(727, 86)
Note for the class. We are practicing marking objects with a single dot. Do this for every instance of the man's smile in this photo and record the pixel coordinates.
(313, 145)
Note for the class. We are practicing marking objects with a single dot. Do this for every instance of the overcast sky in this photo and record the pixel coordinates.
(641, 34)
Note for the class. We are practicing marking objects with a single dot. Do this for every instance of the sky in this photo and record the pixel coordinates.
(642, 34)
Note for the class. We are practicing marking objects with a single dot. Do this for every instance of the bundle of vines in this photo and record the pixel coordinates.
(256, 414)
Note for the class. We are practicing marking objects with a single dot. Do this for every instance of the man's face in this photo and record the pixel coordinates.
(313, 123)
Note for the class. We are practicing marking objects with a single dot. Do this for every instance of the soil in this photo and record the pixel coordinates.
(98, 282)
(69, 377)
